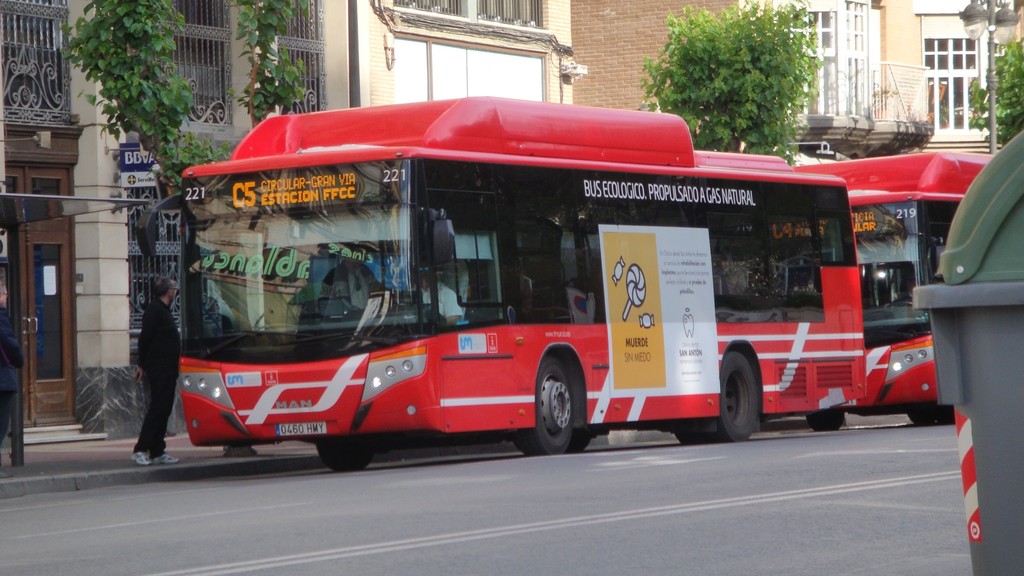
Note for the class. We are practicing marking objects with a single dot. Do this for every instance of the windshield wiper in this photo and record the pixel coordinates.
(366, 337)
(231, 339)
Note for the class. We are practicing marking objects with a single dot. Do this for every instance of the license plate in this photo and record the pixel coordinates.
(301, 429)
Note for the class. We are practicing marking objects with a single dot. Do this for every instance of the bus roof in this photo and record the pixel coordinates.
(491, 130)
(483, 125)
(933, 175)
(866, 197)
(742, 161)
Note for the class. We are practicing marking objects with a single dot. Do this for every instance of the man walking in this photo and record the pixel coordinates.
(159, 353)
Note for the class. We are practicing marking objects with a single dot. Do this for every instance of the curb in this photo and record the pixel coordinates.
(87, 480)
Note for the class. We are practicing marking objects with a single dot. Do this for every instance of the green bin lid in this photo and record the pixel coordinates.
(986, 239)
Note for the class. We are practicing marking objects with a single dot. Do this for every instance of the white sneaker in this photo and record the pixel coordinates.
(141, 458)
(165, 458)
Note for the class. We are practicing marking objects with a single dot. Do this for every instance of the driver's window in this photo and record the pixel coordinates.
(472, 279)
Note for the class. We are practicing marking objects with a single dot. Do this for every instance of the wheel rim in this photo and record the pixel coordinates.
(556, 405)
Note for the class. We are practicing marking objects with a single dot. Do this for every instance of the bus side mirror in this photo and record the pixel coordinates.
(148, 225)
(444, 241)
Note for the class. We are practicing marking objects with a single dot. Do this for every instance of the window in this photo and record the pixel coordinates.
(37, 85)
(203, 55)
(842, 47)
(828, 83)
(304, 41)
(433, 71)
(951, 64)
(857, 58)
(473, 278)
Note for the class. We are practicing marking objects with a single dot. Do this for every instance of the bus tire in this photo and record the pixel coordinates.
(344, 455)
(739, 400)
(552, 432)
(826, 420)
(580, 440)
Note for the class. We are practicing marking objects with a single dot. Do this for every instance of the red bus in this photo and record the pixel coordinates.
(481, 269)
(902, 210)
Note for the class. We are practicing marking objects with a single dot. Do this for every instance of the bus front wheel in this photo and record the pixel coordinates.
(739, 411)
(552, 433)
(344, 455)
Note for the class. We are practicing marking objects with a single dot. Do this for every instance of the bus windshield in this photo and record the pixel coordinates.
(888, 244)
(309, 277)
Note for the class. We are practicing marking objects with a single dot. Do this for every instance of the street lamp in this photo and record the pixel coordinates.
(978, 17)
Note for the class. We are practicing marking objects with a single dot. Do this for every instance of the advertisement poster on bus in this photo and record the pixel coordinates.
(660, 309)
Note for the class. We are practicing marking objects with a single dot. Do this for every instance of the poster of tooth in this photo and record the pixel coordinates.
(660, 308)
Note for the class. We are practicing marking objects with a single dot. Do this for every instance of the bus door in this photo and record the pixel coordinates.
(469, 291)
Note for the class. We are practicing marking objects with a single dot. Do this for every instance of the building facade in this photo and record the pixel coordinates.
(894, 73)
(82, 281)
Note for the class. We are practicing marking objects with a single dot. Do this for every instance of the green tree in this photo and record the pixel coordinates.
(740, 78)
(127, 48)
(1009, 96)
(275, 80)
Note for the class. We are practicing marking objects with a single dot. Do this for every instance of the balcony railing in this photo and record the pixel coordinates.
(518, 12)
(900, 93)
(36, 77)
(450, 7)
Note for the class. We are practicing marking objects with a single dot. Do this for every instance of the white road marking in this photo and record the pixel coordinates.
(290, 560)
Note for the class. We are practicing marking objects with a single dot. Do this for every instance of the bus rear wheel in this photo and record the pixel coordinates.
(554, 402)
(342, 455)
(739, 401)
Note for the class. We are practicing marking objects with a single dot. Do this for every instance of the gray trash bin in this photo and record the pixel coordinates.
(978, 325)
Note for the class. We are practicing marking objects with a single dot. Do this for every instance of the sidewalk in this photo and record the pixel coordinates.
(72, 466)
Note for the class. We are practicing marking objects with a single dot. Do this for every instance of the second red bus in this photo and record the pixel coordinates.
(902, 207)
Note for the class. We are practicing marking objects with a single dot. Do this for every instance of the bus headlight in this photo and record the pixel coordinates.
(383, 371)
(906, 358)
(209, 385)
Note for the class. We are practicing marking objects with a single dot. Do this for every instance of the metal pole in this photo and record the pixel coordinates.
(354, 87)
(992, 79)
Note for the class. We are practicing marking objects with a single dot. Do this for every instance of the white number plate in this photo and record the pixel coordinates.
(301, 429)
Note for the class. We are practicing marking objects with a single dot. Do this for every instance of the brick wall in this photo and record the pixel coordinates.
(612, 38)
(901, 33)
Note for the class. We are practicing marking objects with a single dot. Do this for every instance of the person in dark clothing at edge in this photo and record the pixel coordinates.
(159, 353)
(11, 358)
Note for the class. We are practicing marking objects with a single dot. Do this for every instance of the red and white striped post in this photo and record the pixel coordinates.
(965, 444)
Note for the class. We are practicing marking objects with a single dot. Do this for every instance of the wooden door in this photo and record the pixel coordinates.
(46, 302)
